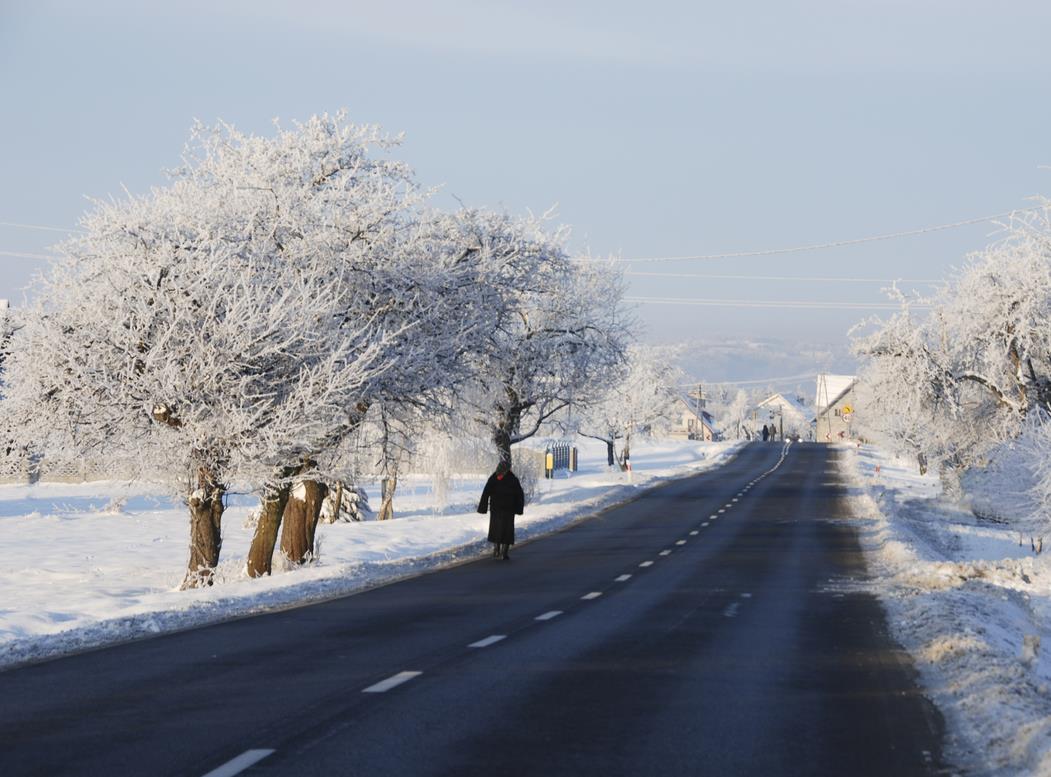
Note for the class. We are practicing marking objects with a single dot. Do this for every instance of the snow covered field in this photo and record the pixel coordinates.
(78, 569)
(971, 605)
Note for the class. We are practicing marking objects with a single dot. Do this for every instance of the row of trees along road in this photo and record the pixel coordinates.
(963, 381)
(240, 323)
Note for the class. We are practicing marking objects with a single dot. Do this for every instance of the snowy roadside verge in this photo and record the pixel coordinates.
(79, 571)
(970, 605)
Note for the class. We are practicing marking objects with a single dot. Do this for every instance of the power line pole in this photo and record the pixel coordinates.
(700, 418)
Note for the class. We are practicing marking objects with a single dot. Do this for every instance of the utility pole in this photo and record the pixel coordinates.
(700, 418)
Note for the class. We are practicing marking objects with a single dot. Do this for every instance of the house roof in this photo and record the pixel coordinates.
(793, 404)
(691, 405)
(830, 388)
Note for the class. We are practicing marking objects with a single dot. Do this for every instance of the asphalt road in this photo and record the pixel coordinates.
(711, 627)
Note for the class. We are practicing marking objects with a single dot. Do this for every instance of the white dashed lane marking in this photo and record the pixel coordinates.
(680, 542)
(391, 682)
(623, 578)
(704, 525)
(665, 553)
(237, 765)
(694, 533)
(646, 564)
(488, 641)
(592, 595)
(549, 615)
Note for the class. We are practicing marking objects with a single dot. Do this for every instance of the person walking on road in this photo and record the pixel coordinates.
(766, 433)
(503, 499)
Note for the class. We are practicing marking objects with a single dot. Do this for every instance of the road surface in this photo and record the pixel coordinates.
(713, 626)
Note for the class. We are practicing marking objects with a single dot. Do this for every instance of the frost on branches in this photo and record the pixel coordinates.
(644, 398)
(970, 379)
(559, 334)
(242, 323)
(233, 324)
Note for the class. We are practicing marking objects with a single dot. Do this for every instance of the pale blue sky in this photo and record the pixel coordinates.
(659, 128)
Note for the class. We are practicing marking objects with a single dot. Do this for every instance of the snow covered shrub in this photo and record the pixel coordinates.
(1035, 444)
(356, 505)
(346, 503)
(443, 456)
(1004, 488)
(251, 519)
(528, 466)
(115, 506)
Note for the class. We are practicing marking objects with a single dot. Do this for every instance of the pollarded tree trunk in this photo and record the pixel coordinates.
(206, 515)
(389, 484)
(301, 518)
(261, 553)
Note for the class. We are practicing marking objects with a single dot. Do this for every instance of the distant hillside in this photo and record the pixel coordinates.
(750, 359)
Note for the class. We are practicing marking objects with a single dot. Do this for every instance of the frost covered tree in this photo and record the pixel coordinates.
(475, 262)
(10, 449)
(1033, 455)
(952, 385)
(559, 334)
(735, 413)
(647, 396)
(235, 324)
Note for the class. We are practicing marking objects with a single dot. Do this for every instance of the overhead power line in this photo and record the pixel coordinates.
(837, 243)
(38, 226)
(807, 279)
(23, 255)
(752, 381)
(791, 304)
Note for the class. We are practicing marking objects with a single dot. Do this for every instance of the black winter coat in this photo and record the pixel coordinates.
(503, 499)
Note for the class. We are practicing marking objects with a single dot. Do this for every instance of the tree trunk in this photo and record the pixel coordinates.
(389, 485)
(502, 440)
(611, 457)
(625, 455)
(335, 498)
(301, 517)
(507, 426)
(206, 515)
(950, 481)
(261, 553)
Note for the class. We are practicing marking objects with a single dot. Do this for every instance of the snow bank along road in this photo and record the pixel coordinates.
(709, 627)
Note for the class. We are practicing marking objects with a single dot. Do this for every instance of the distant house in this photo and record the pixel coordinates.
(834, 407)
(694, 424)
(787, 412)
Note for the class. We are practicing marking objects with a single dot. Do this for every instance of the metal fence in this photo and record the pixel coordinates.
(560, 455)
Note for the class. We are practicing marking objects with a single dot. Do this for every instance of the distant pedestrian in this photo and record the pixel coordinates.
(766, 433)
(503, 499)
